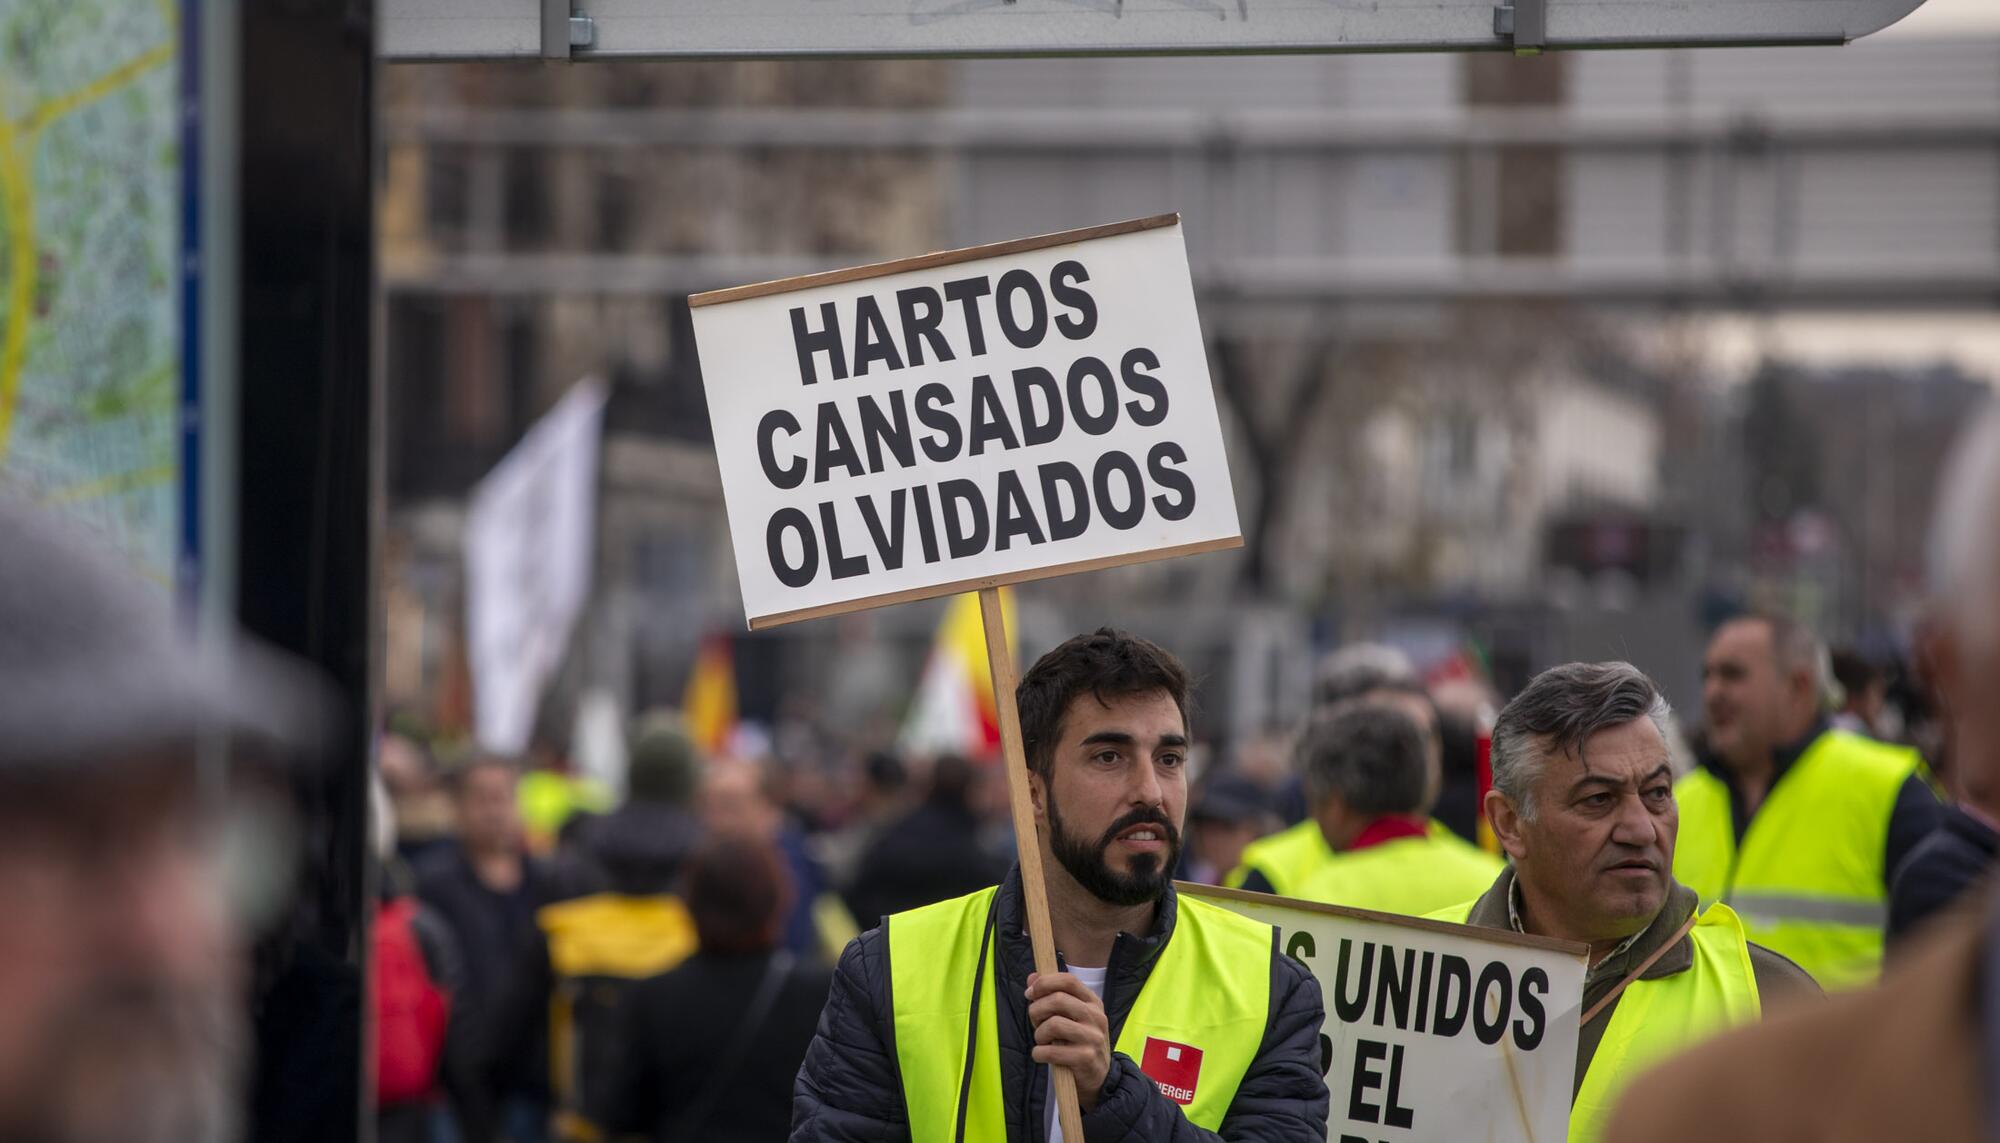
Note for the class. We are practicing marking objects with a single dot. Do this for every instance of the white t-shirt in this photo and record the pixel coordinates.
(1093, 979)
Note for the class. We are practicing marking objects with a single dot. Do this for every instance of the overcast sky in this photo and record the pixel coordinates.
(1948, 17)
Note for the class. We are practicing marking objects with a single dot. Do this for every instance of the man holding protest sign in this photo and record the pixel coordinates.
(1179, 1020)
(1583, 803)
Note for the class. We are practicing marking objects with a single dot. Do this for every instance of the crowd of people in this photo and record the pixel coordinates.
(1785, 834)
(743, 949)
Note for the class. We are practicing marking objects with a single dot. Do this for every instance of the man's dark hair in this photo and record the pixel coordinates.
(1854, 672)
(1372, 756)
(952, 779)
(1104, 664)
(737, 891)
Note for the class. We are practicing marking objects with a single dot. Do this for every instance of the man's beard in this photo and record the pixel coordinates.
(1085, 860)
(136, 1061)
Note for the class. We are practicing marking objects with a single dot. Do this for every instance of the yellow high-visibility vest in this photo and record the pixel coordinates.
(1204, 1008)
(1410, 875)
(1657, 1018)
(1285, 858)
(1809, 879)
(1290, 856)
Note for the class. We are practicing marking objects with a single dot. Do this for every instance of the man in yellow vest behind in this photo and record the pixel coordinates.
(1282, 862)
(1583, 804)
(1180, 1021)
(1798, 827)
(1367, 779)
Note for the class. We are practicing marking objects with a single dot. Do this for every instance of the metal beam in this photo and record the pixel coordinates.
(692, 29)
(1101, 130)
(1266, 279)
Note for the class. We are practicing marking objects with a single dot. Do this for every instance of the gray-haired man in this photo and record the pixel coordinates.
(1583, 803)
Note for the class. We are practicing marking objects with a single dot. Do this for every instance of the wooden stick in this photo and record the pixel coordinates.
(1034, 890)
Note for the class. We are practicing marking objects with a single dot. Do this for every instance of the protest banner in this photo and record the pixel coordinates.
(962, 420)
(1435, 1033)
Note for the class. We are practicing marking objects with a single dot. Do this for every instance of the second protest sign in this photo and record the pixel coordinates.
(1435, 1033)
(964, 419)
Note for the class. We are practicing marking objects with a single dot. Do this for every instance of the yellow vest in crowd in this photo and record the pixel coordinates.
(1809, 880)
(1655, 1019)
(1285, 858)
(1409, 875)
(1209, 990)
(1290, 856)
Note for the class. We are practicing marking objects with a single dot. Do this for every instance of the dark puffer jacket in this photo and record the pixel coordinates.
(850, 1089)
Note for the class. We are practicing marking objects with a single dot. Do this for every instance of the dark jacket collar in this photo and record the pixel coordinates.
(1491, 912)
(1132, 954)
(1782, 759)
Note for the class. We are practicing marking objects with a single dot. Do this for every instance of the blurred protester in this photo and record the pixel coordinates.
(646, 839)
(1864, 691)
(879, 800)
(419, 803)
(1345, 674)
(487, 889)
(122, 974)
(1919, 1057)
(1367, 775)
(550, 795)
(1960, 654)
(421, 1046)
(930, 854)
(1583, 804)
(1945, 866)
(1104, 727)
(1230, 812)
(590, 951)
(1357, 668)
(1461, 705)
(736, 803)
(1282, 862)
(1798, 826)
(709, 1050)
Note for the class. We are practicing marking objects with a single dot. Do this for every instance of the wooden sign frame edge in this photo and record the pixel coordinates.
(1026, 575)
(1472, 932)
(931, 260)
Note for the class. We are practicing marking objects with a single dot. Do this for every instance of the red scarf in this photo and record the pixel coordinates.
(1389, 827)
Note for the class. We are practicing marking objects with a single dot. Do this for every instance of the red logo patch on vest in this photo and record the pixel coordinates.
(1176, 1068)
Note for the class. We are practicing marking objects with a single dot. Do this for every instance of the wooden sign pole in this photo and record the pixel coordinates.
(1035, 891)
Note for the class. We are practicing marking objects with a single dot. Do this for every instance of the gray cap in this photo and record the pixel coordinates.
(95, 672)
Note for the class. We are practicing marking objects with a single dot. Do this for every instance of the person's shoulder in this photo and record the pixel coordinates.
(1778, 977)
(1885, 758)
(1946, 851)
(440, 867)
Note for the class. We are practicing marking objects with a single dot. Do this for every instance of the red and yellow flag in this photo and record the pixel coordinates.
(954, 711)
(708, 705)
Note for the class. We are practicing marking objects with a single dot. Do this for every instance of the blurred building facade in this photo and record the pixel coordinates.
(1403, 264)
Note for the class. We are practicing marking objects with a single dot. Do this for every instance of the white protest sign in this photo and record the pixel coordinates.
(529, 537)
(1436, 1033)
(964, 419)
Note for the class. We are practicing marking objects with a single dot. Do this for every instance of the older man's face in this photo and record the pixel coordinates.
(119, 997)
(1596, 858)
